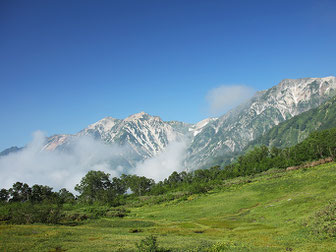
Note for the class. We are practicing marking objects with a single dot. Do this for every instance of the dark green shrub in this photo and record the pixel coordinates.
(97, 211)
(28, 213)
(117, 212)
(149, 244)
(134, 230)
(324, 222)
(228, 246)
(75, 217)
(198, 188)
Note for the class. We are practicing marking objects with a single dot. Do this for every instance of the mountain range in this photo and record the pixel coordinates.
(233, 131)
(147, 136)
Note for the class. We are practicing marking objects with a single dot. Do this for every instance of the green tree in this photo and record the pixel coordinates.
(119, 186)
(40, 193)
(4, 195)
(94, 186)
(65, 196)
(20, 192)
(174, 178)
(138, 185)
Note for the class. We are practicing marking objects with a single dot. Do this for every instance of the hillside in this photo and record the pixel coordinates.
(296, 129)
(272, 211)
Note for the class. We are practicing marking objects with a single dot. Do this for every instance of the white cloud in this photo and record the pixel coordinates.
(225, 97)
(56, 168)
(60, 169)
(162, 165)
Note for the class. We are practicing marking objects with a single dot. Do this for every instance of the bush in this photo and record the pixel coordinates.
(75, 217)
(149, 244)
(28, 213)
(228, 246)
(117, 212)
(198, 188)
(324, 222)
(97, 211)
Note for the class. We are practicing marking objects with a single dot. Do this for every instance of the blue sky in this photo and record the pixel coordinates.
(66, 64)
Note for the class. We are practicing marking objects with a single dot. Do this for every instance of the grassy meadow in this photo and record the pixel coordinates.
(271, 211)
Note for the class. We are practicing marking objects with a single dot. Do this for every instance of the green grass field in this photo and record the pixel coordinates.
(268, 212)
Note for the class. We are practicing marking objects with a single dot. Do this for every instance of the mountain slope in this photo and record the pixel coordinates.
(10, 150)
(296, 129)
(233, 131)
(143, 134)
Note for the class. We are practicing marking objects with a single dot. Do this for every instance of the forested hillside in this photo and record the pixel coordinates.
(296, 129)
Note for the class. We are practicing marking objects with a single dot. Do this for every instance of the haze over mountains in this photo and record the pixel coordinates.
(148, 141)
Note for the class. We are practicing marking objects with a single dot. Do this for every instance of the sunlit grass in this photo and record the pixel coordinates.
(267, 213)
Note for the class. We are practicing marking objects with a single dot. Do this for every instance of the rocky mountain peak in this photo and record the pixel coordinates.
(232, 131)
(142, 116)
(107, 123)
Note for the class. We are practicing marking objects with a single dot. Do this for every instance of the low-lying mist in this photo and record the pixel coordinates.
(60, 169)
(163, 164)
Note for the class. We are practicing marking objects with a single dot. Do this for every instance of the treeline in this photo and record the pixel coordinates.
(319, 145)
(22, 192)
(97, 187)
(22, 204)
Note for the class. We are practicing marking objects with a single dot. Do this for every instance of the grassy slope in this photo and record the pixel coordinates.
(268, 214)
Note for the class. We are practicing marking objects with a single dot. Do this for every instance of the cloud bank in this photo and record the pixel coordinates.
(60, 169)
(165, 163)
(225, 97)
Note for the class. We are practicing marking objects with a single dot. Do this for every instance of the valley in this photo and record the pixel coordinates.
(272, 211)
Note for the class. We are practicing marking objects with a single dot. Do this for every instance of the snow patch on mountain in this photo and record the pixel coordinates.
(198, 127)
